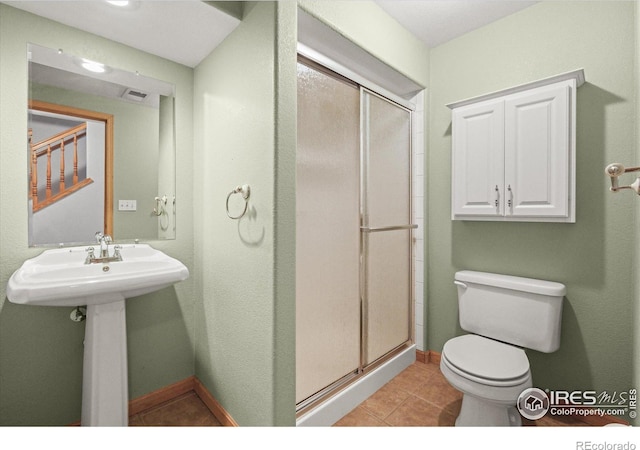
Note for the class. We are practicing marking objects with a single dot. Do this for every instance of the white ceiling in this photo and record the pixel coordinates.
(186, 31)
(435, 22)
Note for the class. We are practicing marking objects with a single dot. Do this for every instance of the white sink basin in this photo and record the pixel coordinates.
(59, 277)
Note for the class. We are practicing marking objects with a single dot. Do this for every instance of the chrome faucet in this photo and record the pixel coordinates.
(103, 240)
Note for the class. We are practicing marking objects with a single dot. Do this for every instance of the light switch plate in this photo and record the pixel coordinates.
(127, 205)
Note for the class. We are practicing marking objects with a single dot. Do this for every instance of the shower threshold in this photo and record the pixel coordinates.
(354, 389)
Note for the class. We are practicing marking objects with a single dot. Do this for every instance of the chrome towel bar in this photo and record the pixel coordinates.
(391, 228)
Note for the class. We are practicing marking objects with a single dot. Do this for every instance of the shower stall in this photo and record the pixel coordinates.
(354, 283)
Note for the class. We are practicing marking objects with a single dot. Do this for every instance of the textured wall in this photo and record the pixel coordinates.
(235, 113)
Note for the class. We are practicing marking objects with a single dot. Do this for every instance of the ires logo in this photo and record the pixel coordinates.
(534, 403)
(591, 398)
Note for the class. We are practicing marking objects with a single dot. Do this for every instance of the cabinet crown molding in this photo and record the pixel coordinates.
(577, 75)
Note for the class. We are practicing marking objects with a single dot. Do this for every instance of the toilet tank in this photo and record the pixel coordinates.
(522, 311)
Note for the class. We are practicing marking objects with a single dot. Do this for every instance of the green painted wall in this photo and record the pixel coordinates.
(245, 321)
(592, 257)
(40, 348)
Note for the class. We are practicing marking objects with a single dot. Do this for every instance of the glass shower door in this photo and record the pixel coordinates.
(386, 226)
(327, 231)
(353, 232)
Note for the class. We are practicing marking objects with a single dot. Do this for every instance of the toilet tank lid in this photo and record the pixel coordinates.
(510, 282)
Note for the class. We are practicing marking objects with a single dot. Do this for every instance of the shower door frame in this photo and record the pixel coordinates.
(311, 402)
(365, 232)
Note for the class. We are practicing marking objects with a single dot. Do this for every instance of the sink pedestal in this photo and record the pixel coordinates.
(104, 381)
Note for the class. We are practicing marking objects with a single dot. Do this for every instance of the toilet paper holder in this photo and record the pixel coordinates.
(615, 170)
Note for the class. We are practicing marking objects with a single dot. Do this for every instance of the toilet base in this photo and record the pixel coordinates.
(476, 412)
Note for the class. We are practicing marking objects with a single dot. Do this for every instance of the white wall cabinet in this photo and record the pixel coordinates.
(513, 153)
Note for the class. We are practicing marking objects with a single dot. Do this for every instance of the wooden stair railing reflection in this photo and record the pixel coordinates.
(46, 148)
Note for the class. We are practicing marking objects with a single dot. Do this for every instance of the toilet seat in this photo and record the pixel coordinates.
(486, 361)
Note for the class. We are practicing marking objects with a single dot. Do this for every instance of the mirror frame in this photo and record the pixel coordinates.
(108, 175)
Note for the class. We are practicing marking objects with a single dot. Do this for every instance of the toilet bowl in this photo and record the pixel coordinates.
(490, 367)
(490, 374)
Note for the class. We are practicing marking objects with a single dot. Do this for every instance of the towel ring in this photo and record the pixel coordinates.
(245, 191)
(161, 202)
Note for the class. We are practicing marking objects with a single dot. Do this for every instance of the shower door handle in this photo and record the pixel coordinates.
(391, 228)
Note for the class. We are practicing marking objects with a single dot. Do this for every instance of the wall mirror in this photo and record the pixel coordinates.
(101, 145)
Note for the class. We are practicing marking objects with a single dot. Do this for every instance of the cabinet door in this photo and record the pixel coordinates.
(537, 152)
(478, 160)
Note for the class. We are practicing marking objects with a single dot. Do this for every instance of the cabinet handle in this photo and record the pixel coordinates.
(497, 202)
(510, 201)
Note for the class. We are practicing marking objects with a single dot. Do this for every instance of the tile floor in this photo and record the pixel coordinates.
(182, 411)
(419, 396)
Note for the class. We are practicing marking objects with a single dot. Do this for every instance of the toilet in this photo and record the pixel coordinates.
(504, 315)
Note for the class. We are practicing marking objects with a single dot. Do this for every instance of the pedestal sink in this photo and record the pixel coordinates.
(60, 277)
